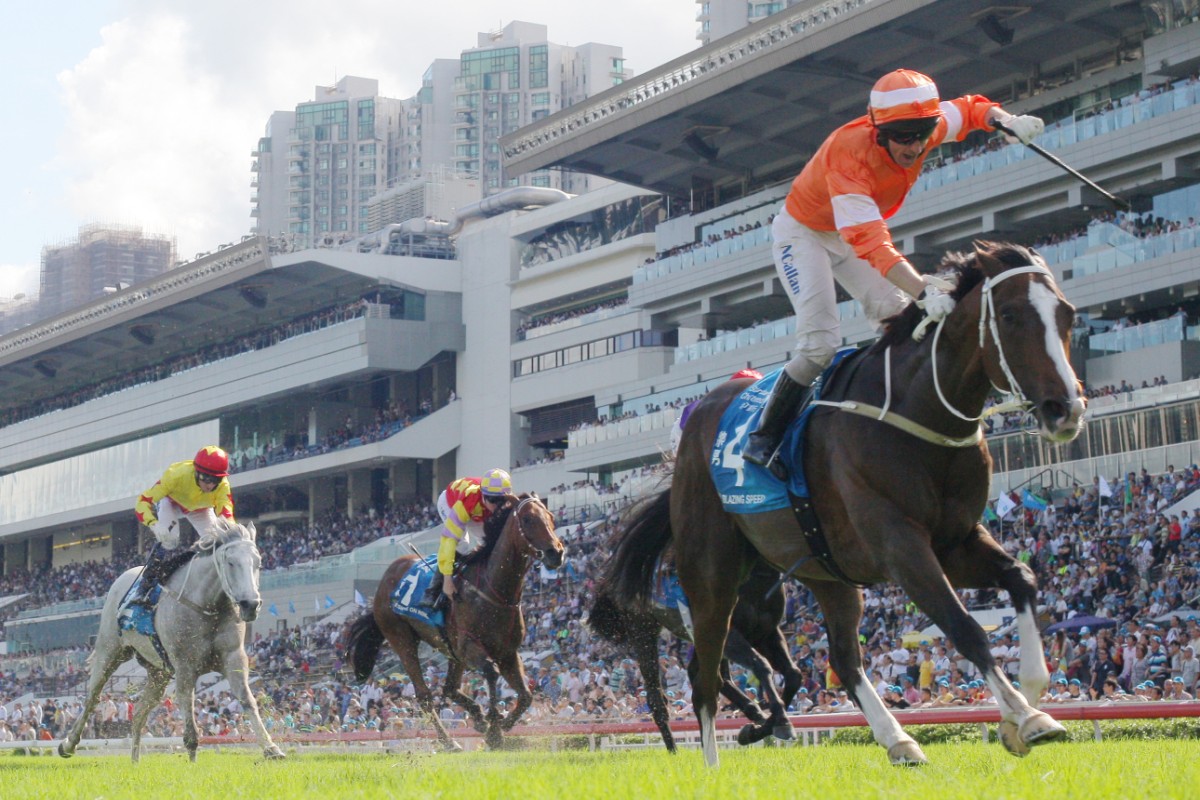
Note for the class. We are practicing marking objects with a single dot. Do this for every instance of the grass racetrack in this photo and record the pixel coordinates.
(1092, 770)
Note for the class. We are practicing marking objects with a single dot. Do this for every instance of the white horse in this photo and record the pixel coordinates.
(200, 620)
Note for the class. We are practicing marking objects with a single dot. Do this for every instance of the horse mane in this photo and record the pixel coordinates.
(226, 531)
(964, 270)
(493, 526)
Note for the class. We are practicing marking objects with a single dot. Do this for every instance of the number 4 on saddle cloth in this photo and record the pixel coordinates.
(407, 595)
(747, 488)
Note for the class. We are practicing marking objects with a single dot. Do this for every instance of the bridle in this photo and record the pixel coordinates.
(538, 553)
(987, 324)
(214, 549)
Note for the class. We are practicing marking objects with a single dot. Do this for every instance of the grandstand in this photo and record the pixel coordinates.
(569, 330)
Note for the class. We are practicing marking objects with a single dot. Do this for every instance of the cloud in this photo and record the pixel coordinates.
(18, 279)
(161, 117)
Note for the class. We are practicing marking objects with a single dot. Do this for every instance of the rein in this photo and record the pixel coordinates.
(208, 549)
(987, 323)
(488, 594)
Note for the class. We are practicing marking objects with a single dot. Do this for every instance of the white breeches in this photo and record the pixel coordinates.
(808, 263)
(204, 520)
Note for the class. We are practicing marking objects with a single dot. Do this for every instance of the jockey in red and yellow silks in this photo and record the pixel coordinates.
(832, 229)
(197, 490)
(465, 502)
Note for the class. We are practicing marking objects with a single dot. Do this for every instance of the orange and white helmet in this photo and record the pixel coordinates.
(903, 95)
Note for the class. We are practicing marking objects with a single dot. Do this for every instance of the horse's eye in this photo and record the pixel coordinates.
(1008, 317)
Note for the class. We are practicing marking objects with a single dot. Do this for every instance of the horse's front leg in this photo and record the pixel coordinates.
(156, 683)
(492, 736)
(980, 562)
(513, 671)
(237, 672)
(842, 606)
(740, 650)
(453, 692)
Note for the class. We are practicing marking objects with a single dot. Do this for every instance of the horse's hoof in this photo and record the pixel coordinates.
(273, 753)
(746, 735)
(906, 754)
(1011, 739)
(1040, 728)
(62, 750)
(451, 746)
(480, 725)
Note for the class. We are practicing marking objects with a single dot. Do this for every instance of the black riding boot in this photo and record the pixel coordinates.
(152, 575)
(779, 412)
(433, 595)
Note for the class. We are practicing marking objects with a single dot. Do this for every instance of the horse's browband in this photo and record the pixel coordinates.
(903, 423)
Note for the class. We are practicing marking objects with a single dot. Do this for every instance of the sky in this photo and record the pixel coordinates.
(144, 112)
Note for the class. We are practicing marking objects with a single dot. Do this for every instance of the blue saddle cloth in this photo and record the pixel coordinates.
(411, 590)
(140, 618)
(667, 593)
(747, 488)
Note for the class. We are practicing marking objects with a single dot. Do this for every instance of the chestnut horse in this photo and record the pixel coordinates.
(899, 476)
(484, 624)
(754, 641)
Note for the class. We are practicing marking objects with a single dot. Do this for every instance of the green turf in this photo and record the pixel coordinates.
(1124, 770)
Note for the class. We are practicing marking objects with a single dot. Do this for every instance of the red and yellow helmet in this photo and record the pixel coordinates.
(212, 460)
(903, 95)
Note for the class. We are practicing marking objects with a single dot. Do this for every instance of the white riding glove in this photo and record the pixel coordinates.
(1025, 128)
(168, 535)
(935, 302)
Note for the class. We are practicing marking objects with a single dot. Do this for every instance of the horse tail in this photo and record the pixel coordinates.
(608, 620)
(363, 646)
(637, 548)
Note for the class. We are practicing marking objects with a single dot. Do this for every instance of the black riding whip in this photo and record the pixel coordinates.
(1117, 201)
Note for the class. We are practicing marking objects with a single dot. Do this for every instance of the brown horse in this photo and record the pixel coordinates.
(484, 625)
(899, 487)
(754, 641)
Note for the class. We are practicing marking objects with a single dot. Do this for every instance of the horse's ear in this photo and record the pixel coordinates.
(253, 533)
(985, 254)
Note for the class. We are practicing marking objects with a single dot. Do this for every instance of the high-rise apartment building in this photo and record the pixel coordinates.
(719, 18)
(336, 155)
(102, 256)
(316, 168)
(515, 76)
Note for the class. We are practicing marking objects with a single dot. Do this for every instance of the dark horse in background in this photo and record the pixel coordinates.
(899, 475)
(754, 641)
(484, 625)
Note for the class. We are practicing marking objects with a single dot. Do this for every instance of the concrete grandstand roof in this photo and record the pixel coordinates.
(233, 292)
(748, 110)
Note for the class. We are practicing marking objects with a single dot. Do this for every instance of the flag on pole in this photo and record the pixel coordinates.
(989, 514)
(316, 604)
(291, 607)
(359, 600)
(329, 602)
(1031, 501)
(1105, 488)
(274, 611)
(1004, 504)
